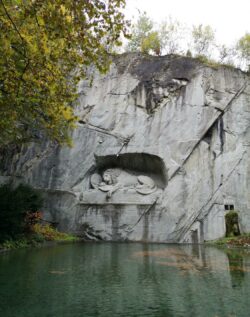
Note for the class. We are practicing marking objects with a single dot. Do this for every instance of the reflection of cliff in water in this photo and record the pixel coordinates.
(195, 258)
(201, 279)
(125, 279)
(236, 267)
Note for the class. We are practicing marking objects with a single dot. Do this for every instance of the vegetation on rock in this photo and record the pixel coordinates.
(232, 224)
(243, 46)
(237, 241)
(21, 223)
(174, 37)
(141, 32)
(48, 233)
(16, 206)
(45, 47)
(233, 238)
(203, 38)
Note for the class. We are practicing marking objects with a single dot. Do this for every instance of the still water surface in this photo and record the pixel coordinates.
(115, 279)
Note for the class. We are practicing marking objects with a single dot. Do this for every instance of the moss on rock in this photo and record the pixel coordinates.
(232, 224)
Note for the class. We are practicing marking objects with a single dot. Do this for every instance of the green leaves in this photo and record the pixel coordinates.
(140, 31)
(42, 42)
(151, 42)
(148, 38)
(243, 46)
(203, 37)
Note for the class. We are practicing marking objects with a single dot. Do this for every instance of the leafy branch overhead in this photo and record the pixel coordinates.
(42, 44)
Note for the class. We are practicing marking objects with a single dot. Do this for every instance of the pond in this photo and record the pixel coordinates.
(125, 279)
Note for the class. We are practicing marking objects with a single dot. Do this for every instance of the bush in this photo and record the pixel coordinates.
(15, 204)
(51, 234)
(232, 224)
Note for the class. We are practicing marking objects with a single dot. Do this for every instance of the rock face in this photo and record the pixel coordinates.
(161, 153)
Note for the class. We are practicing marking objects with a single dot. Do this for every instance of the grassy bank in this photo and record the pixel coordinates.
(237, 241)
(37, 237)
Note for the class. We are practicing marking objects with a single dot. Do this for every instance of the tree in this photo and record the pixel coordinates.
(151, 43)
(226, 54)
(45, 47)
(171, 35)
(139, 32)
(203, 39)
(243, 47)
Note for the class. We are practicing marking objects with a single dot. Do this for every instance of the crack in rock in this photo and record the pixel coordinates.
(181, 232)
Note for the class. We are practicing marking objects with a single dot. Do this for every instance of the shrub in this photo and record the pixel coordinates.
(51, 234)
(232, 224)
(15, 204)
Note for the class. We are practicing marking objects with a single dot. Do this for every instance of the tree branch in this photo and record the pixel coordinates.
(14, 25)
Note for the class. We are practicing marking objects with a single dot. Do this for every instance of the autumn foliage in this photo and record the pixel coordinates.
(45, 47)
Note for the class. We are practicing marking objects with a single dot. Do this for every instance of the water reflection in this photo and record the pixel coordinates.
(206, 281)
(237, 267)
(125, 280)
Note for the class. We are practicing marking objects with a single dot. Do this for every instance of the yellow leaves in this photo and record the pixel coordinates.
(68, 18)
(60, 43)
(44, 44)
(65, 13)
(68, 113)
(27, 37)
(63, 9)
(7, 45)
(40, 20)
(151, 42)
(39, 55)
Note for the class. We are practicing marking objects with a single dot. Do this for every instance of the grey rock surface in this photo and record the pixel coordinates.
(175, 135)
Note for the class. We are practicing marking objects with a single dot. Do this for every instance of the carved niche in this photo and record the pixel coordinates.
(135, 173)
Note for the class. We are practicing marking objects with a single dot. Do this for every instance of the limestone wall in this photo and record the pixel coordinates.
(173, 136)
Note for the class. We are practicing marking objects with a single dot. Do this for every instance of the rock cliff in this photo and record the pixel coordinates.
(161, 153)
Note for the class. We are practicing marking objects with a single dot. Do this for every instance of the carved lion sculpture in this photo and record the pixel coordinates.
(114, 179)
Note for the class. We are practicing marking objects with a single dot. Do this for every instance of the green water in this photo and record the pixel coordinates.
(114, 279)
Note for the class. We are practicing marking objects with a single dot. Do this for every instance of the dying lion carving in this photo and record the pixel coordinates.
(114, 179)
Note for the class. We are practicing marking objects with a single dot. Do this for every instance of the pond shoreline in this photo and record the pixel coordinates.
(238, 242)
(31, 244)
(241, 241)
